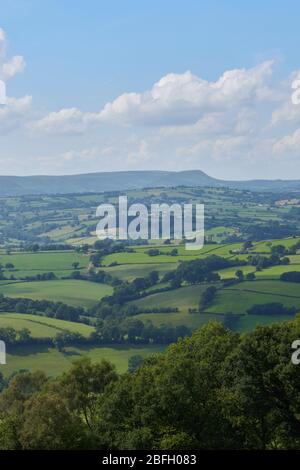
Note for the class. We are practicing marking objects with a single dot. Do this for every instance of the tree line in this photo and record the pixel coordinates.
(214, 390)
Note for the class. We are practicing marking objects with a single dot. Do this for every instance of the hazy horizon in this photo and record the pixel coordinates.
(139, 171)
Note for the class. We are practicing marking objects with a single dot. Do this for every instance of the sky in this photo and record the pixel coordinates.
(100, 85)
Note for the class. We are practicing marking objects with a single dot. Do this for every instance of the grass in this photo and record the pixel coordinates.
(140, 255)
(42, 327)
(250, 322)
(182, 298)
(190, 320)
(53, 362)
(138, 258)
(70, 291)
(266, 246)
(30, 264)
(275, 271)
(229, 273)
(276, 288)
(130, 272)
(239, 298)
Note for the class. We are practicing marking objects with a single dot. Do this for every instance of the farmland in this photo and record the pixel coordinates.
(71, 292)
(123, 295)
(54, 362)
(41, 327)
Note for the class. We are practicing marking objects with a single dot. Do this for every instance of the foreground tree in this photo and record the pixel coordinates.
(213, 390)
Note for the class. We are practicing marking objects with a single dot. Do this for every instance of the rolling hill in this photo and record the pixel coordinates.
(125, 180)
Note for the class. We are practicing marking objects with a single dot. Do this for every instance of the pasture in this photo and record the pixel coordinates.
(182, 298)
(69, 291)
(42, 327)
(31, 264)
(239, 298)
(54, 363)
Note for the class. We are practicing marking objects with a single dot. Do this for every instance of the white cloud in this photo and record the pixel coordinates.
(184, 98)
(2, 42)
(288, 144)
(13, 113)
(175, 100)
(65, 121)
(14, 66)
(14, 110)
(9, 68)
(182, 121)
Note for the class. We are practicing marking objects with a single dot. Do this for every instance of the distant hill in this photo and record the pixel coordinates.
(122, 180)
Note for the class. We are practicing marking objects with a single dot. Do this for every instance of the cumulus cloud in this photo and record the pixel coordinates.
(65, 121)
(9, 67)
(14, 66)
(2, 42)
(183, 121)
(12, 114)
(184, 98)
(288, 144)
(175, 100)
(14, 109)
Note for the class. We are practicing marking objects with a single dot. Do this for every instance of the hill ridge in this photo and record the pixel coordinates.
(128, 180)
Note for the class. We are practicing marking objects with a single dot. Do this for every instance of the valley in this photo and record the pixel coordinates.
(64, 294)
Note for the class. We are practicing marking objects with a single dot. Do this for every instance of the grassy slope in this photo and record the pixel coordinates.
(42, 327)
(71, 292)
(31, 264)
(53, 362)
(239, 298)
(183, 298)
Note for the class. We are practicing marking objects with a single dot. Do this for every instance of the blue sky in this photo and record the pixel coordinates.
(79, 56)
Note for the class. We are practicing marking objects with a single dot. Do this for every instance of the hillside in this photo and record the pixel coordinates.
(118, 181)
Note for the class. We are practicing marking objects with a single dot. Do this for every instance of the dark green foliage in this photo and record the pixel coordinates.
(213, 390)
(271, 309)
(207, 296)
(292, 276)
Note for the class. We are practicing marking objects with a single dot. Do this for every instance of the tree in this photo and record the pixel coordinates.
(207, 297)
(84, 384)
(163, 396)
(250, 276)
(261, 390)
(12, 403)
(34, 247)
(49, 424)
(247, 246)
(153, 277)
(9, 266)
(24, 335)
(240, 275)
(134, 362)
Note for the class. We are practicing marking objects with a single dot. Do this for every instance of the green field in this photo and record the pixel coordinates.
(274, 272)
(31, 264)
(190, 320)
(239, 298)
(53, 362)
(70, 291)
(231, 216)
(42, 327)
(129, 272)
(183, 298)
(249, 322)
